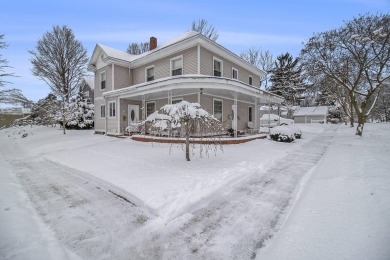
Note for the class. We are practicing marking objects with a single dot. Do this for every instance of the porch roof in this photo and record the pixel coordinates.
(188, 84)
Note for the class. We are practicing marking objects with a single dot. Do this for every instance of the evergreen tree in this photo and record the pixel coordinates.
(79, 114)
(286, 79)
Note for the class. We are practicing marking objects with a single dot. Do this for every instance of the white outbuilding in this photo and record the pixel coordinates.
(310, 114)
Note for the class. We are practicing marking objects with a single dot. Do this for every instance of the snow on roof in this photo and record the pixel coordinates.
(117, 54)
(90, 81)
(311, 111)
(122, 55)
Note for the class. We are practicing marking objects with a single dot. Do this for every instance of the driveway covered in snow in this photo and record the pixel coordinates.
(97, 197)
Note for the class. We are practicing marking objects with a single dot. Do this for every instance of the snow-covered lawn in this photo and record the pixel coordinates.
(324, 196)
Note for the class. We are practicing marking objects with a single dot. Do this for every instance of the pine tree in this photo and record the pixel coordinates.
(286, 79)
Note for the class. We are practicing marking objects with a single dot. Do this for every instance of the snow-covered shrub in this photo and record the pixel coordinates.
(297, 131)
(282, 134)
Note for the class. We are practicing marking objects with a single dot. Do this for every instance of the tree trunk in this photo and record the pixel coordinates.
(187, 142)
(359, 128)
(351, 105)
(63, 115)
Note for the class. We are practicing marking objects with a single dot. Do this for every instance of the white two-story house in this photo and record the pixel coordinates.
(192, 67)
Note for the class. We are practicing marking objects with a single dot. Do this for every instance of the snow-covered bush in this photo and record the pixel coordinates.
(297, 131)
(282, 134)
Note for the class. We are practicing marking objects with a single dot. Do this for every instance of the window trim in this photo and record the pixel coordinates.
(234, 69)
(182, 65)
(109, 109)
(101, 81)
(216, 99)
(146, 107)
(249, 81)
(101, 110)
(250, 114)
(176, 99)
(220, 61)
(146, 73)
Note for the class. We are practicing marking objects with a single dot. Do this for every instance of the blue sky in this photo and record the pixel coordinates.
(278, 26)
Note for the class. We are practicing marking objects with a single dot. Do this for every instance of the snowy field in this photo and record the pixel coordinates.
(86, 196)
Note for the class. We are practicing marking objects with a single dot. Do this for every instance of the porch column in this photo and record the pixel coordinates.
(169, 97)
(118, 115)
(105, 115)
(143, 108)
(256, 115)
(235, 115)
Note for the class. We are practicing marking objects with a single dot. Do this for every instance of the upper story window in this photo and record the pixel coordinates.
(149, 73)
(250, 80)
(217, 109)
(103, 80)
(112, 109)
(177, 66)
(217, 64)
(234, 73)
(150, 108)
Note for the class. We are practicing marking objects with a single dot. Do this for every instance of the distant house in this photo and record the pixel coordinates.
(192, 68)
(310, 114)
(9, 115)
(88, 88)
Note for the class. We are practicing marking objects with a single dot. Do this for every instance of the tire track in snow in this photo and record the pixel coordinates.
(234, 224)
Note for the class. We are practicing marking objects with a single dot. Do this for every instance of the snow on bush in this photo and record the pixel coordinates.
(282, 134)
(297, 131)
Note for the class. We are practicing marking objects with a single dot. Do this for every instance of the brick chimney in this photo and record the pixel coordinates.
(152, 43)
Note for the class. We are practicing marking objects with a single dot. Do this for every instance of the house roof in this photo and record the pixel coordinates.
(186, 40)
(311, 111)
(90, 81)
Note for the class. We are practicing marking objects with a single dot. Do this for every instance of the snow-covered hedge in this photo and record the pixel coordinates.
(296, 130)
(282, 133)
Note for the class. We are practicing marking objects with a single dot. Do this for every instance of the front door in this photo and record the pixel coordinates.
(133, 114)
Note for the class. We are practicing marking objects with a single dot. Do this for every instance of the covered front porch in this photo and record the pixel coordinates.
(234, 103)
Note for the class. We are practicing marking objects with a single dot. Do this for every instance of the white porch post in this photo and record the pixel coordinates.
(235, 115)
(256, 115)
(169, 97)
(118, 115)
(143, 108)
(106, 115)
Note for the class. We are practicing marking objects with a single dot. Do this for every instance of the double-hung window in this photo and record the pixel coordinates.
(103, 80)
(177, 66)
(150, 73)
(112, 109)
(217, 65)
(102, 111)
(150, 108)
(217, 109)
(234, 73)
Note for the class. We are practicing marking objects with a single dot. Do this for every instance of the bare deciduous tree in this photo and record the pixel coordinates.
(205, 29)
(357, 57)
(138, 48)
(9, 95)
(262, 60)
(60, 60)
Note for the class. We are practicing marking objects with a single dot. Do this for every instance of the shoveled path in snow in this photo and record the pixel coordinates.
(234, 222)
(88, 216)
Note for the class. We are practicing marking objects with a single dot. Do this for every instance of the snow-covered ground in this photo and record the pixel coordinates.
(326, 196)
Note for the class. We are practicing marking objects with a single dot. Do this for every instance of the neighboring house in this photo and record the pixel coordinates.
(191, 67)
(311, 114)
(87, 88)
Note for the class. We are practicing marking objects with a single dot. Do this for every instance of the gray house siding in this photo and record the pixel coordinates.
(206, 68)
(122, 77)
(307, 119)
(162, 66)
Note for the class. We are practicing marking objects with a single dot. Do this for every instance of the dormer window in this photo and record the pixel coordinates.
(177, 66)
(150, 73)
(217, 67)
(103, 80)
